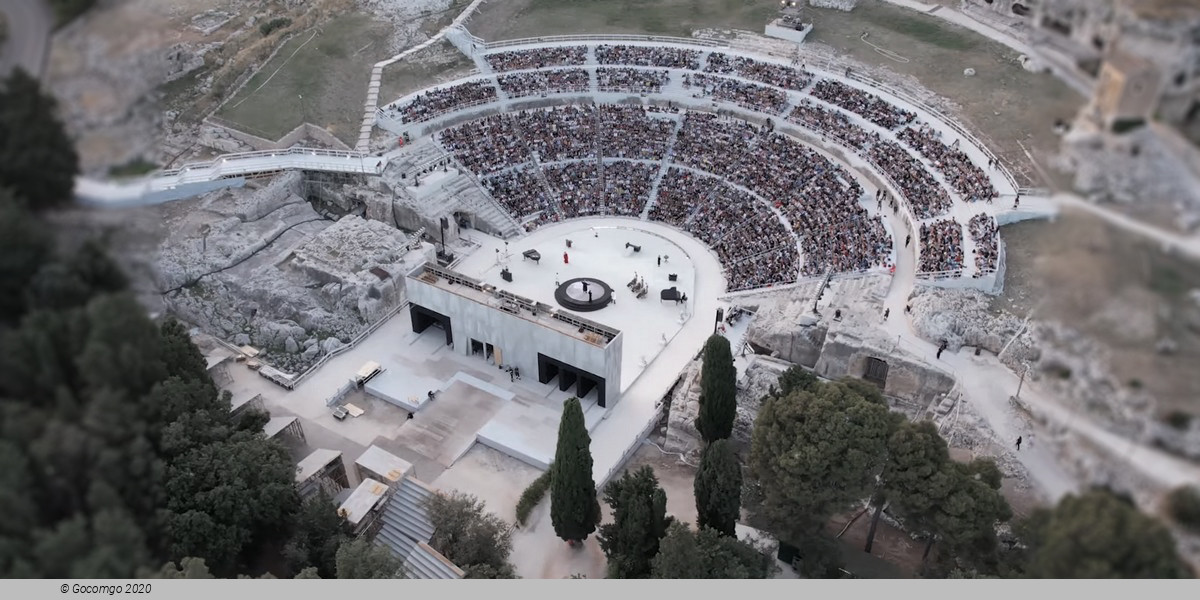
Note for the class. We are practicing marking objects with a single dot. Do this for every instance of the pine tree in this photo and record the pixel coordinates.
(718, 391)
(1099, 535)
(574, 509)
(718, 488)
(640, 520)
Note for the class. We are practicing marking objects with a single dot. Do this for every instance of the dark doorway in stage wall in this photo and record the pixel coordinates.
(877, 371)
(422, 318)
(568, 376)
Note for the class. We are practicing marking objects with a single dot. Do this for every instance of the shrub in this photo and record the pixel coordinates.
(1178, 419)
(273, 25)
(1183, 504)
(532, 496)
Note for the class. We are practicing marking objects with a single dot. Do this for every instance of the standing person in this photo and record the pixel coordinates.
(1018, 443)
(907, 240)
(566, 259)
(886, 313)
(660, 260)
(1017, 201)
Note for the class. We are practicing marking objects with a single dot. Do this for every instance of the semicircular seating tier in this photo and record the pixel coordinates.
(701, 139)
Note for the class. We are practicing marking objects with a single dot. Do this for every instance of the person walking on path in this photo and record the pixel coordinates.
(907, 240)
(886, 312)
(1018, 443)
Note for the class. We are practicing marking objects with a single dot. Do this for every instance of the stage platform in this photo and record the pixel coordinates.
(404, 389)
(528, 431)
(603, 250)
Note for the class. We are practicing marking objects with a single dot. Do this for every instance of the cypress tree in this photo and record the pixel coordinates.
(640, 521)
(718, 488)
(718, 391)
(574, 509)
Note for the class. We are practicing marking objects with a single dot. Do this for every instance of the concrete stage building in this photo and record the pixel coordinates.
(533, 337)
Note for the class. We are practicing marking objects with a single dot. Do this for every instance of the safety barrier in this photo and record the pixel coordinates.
(599, 37)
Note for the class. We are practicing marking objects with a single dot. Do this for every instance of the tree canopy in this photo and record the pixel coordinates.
(360, 559)
(640, 520)
(707, 554)
(718, 488)
(477, 541)
(1098, 535)
(813, 453)
(37, 159)
(718, 391)
(574, 509)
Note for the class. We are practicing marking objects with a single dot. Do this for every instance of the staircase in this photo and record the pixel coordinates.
(470, 194)
(551, 195)
(662, 170)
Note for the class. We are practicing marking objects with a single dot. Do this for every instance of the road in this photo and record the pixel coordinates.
(30, 23)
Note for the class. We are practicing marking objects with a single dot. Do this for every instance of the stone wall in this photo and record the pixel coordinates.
(909, 380)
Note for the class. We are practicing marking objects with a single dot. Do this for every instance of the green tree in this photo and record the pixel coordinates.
(718, 488)
(189, 567)
(477, 541)
(319, 532)
(915, 454)
(1183, 504)
(718, 391)
(37, 159)
(226, 495)
(24, 247)
(574, 509)
(965, 518)
(707, 554)
(308, 573)
(813, 453)
(640, 520)
(360, 559)
(1098, 535)
(797, 378)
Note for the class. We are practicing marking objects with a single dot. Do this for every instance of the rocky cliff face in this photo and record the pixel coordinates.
(261, 267)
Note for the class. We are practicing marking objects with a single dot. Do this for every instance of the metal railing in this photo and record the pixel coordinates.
(260, 154)
(599, 37)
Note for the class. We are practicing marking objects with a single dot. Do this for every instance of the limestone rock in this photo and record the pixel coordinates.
(328, 345)
(290, 346)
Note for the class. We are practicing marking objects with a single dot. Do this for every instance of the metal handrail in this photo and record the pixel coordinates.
(600, 37)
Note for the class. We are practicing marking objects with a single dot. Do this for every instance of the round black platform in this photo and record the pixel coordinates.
(571, 295)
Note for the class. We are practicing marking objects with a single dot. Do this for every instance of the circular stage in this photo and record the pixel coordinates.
(583, 294)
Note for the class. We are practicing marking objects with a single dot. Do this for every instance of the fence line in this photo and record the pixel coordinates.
(354, 342)
(600, 37)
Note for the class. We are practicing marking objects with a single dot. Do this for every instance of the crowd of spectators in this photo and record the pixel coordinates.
(714, 144)
(868, 105)
(749, 239)
(538, 58)
(560, 133)
(518, 192)
(541, 83)
(941, 246)
(749, 95)
(627, 186)
(633, 81)
(443, 100)
(741, 171)
(983, 232)
(576, 185)
(648, 56)
(629, 132)
(926, 197)
(486, 145)
(968, 179)
(769, 73)
(831, 123)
